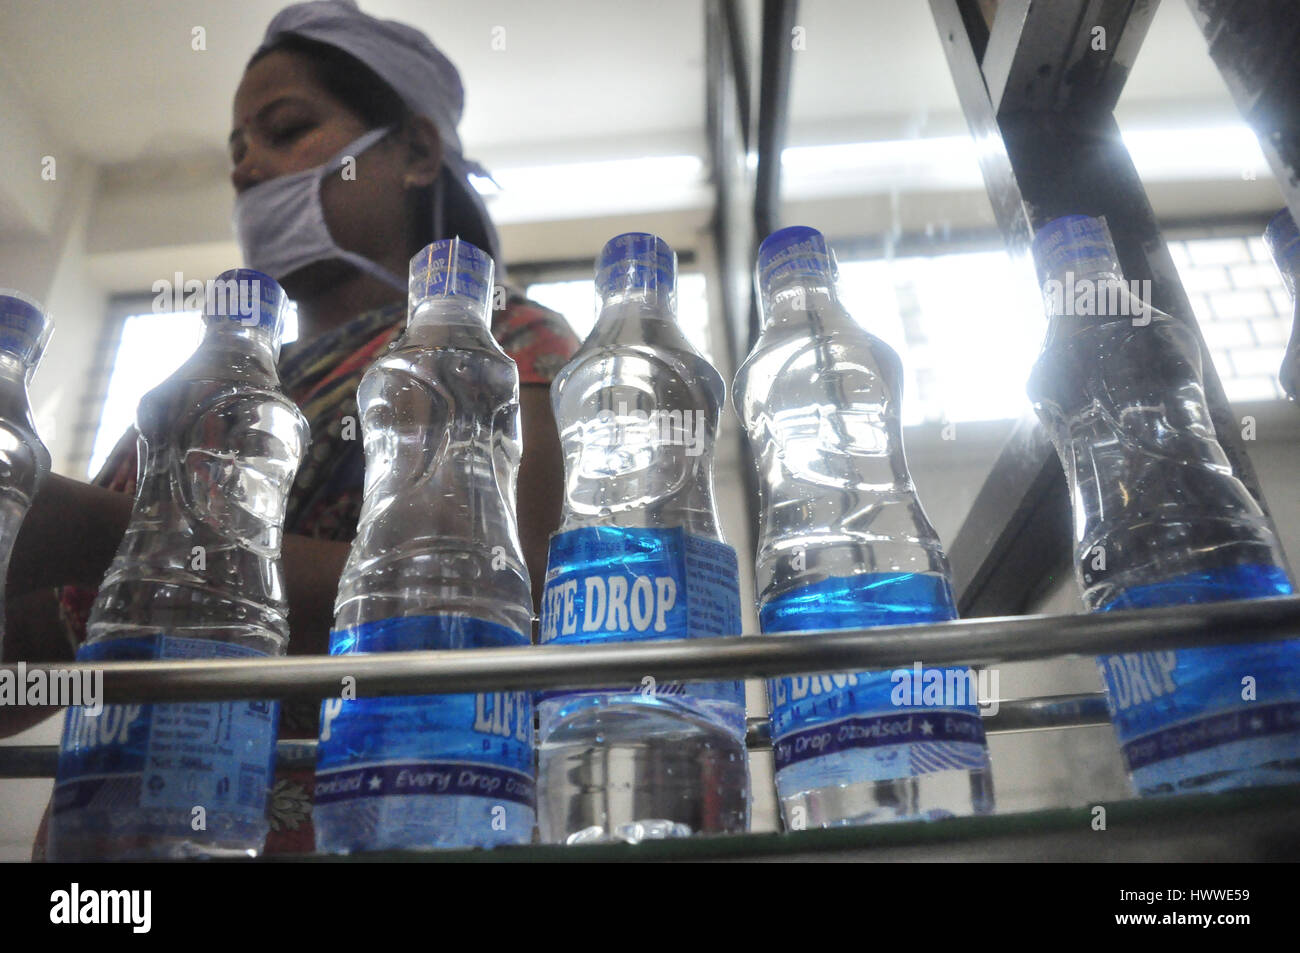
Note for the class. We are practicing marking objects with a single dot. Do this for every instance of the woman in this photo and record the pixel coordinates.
(331, 91)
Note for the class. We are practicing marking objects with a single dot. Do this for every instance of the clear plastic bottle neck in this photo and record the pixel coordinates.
(13, 370)
(1079, 268)
(646, 303)
(451, 282)
(1091, 289)
(636, 275)
(1282, 239)
(1289, 279)
(799, 299)
(253, 337)
(796, 272)
(447, 309)
(15, 402)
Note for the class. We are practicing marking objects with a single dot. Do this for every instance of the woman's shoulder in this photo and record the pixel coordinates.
(538, 338)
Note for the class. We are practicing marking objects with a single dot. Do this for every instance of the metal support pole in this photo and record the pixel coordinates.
(973, 642)
(1256, 46)
(773, 120)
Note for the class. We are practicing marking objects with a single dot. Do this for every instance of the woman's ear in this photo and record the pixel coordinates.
(424, 153)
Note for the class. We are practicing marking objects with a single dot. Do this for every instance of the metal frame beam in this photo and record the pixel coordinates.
(1063, 56)
(1038, 99)
(972, 642)
(1256, 46)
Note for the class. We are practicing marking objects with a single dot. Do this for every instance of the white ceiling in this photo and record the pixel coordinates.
(118, 82)
(580, 81)
(881, 59)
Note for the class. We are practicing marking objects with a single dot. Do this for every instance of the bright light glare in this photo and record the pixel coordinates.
(577, 189)
(952, 162)
(948, 162)
(575, 300)
(966, 326)
(153, 345)
(581, 189)
(1213, 152)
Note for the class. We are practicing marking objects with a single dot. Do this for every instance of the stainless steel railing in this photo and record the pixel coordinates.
(974, 642)
(1013, 714)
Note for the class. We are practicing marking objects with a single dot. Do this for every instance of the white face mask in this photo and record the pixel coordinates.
(281, 222)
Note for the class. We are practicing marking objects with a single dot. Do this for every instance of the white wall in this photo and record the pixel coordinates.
(23, 802)
(47, 194)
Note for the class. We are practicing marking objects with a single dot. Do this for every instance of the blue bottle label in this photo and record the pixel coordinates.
(146, 768)
(619, 584)
(1196, 719)
(377, 750)
(838, 729)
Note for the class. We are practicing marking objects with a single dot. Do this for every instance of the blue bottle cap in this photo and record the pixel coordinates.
(24, 328)
(249, 297)
(797, 253)
(638, 263)
(1283, 241)
(452, 268)
(1074, 243)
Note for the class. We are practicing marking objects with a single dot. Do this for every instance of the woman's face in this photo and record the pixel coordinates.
(285, 121)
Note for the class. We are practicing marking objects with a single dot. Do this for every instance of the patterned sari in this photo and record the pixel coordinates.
(322, 377)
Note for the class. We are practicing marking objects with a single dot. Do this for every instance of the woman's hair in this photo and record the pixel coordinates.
(377, 104)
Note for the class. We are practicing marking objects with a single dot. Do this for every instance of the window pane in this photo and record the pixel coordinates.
(966, 327)
(153, 345)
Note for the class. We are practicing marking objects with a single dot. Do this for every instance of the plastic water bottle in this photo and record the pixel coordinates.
(24, 461)
(640, 556)
(844, 543)
(1160, 519)
(1283, 241)
(436, 564)
(197, 576)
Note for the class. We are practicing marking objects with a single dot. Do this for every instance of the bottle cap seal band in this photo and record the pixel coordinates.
(24, 328)
(1074, 243)
(452, 268)
(793, 253)
(249, 297)
(637, 262)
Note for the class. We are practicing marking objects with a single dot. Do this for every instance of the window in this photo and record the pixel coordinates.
(152, 346)
(966, 326)
(967, 343)
(966, 340)
(1243, 309)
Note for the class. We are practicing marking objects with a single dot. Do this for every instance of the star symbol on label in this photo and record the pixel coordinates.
(375, 783)
(927, 728)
